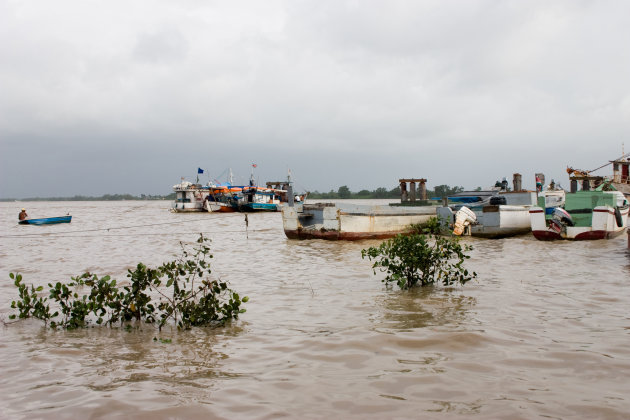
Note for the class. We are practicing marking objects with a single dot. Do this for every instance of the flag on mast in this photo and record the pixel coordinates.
(254, 165)
(199, 170)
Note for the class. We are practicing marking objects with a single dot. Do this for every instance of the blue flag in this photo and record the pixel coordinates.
(199, 170)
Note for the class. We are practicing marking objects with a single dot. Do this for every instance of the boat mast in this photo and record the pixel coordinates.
(290, 196)
(251, 178)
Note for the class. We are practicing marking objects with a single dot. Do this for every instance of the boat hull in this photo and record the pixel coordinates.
(46, 221)
(189, 198)
(604, 225)
(494, 221)
(351, 222)
(219, 207)
(252, 207)
(182, 208)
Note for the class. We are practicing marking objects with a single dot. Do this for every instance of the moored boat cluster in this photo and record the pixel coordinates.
(597, 210)
(227, 198)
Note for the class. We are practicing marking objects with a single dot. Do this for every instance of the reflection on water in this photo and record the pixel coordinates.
(423, 308)
(542, 332)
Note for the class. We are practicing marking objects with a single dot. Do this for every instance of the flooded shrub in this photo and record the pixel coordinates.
(421, 258)
(186, 296)
(431, 227)
(30, 303)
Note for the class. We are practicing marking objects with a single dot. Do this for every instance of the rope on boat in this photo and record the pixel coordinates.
(609, 163)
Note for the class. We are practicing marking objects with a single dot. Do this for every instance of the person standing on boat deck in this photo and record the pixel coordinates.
(23, 215)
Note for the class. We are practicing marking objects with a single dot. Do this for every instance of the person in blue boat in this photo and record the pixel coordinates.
(23, 215)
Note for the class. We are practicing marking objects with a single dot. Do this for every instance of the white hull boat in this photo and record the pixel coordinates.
(344, 221)
(587, 215)
(503, 215)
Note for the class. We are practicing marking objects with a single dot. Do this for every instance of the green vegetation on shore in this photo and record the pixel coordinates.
(106, 197)
(344, 192)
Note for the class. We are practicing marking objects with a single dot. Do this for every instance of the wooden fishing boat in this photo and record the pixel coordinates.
(504, 216)
(223, 199)
(493, 213)
(346, 221)
(261, 199)
(273, 197)
(621, 174)
(189, 197)
(351, 221)
(620, 178)
(227, 198)
(46, 220)
(586, 215)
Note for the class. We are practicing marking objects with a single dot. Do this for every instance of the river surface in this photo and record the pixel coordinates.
(544, 332)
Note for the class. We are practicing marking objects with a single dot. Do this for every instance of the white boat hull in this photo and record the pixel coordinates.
(494, 221)
(351, 222)
(187, 207)
(219, 207)
(189, 198)
(502, 222)
(603, 226)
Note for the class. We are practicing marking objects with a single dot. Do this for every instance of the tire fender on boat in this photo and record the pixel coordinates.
(618, 217)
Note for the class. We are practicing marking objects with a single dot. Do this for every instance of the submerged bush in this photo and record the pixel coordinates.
(187, 296)
(422, 257)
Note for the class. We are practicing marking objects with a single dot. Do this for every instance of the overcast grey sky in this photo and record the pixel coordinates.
(115, 96)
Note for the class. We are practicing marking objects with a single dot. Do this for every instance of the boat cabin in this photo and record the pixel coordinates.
(621, 175)
(189, 197)
(621, 171)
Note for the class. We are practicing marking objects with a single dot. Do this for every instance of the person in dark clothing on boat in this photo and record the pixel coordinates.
(23, 215)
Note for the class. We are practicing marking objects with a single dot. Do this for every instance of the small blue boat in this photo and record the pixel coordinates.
(46, 221)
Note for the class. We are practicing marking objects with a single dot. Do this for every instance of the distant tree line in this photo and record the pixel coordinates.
(344, 192)
(106, 197)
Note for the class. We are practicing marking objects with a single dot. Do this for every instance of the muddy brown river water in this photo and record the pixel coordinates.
(544, 332)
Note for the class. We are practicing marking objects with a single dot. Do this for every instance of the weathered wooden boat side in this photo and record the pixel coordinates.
(351, 222)
(621, 175)
(253, 207)
(46, 220)
(591, 215)
(502, 221)
(220, 207)
(189, 197)
(492, 214)
(272, 198)
(343, 221)
(620, 178)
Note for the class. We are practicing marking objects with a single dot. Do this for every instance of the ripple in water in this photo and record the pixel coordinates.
(543, 332)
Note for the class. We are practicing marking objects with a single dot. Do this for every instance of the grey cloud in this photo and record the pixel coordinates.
(344, 92)
(161, 47)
